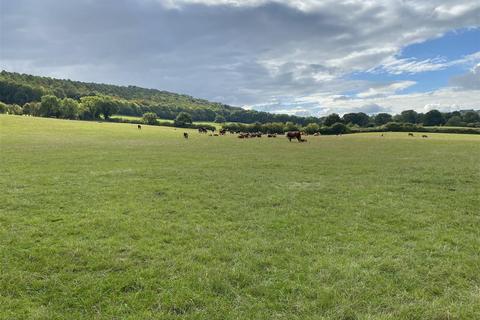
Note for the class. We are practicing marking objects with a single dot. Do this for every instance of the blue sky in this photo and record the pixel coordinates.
(452, 46)
(304, 57)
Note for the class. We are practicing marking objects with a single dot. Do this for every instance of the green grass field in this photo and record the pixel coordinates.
(216, 125)
(104, 221)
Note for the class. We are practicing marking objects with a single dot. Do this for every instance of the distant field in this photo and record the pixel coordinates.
(104, 221)
(450, 127)
(217, 125)
(118, 116)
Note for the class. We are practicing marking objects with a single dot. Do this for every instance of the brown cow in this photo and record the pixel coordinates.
(139, 127)
(410, 134)
(185, 135)
(294, 135)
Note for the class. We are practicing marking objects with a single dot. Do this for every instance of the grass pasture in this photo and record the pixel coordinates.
(216, 125)
(104, 221)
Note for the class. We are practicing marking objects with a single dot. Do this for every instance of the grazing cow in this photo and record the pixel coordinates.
(185, 135)
(424, 136)
(294, 135)
(244, 135)
(410, 134)
(316, 134)
(139, 127)
(223, 131)
(202, 130)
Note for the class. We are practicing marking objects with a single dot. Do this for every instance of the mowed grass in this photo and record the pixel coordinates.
(104, 221)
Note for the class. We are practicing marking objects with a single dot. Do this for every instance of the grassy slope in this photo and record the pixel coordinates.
(101, 220)
(78, 88)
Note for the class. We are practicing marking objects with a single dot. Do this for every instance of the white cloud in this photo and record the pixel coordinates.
(394, 65)
(385, 90)
(468, 81)
(244, 52)
(446, 99)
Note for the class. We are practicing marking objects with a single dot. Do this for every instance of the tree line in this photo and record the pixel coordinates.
(467, 118)
(48, 97)
(18, 89)
(87, 108)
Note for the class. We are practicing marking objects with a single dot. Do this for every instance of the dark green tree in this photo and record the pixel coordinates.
(69, 108)
(88, 109)
(433, 118)
(360, 119)
(338, 128)
(183, 119)
(331, 119)
(383, 118)
(409, 116)
(150, 118)
(455, 121)
(107, 106)
(471, 117)
(49, 106)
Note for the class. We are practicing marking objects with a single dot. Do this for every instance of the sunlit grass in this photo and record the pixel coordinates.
(105, 221)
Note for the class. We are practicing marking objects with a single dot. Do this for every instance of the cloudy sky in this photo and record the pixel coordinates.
(304, 57)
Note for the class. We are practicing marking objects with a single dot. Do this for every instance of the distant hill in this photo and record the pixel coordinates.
(16, 88)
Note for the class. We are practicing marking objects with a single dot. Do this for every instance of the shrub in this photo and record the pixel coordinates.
(15, 109)
(3, 107)
(290, 126)
(339, 128)
(393, 126)
(183, 120)
(150, 118)
(312, 128)
(455, 121)
(32, 108)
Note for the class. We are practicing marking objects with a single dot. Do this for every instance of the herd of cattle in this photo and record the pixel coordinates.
(245, 135)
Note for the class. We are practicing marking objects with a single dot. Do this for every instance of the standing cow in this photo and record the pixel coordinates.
(294, 135)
